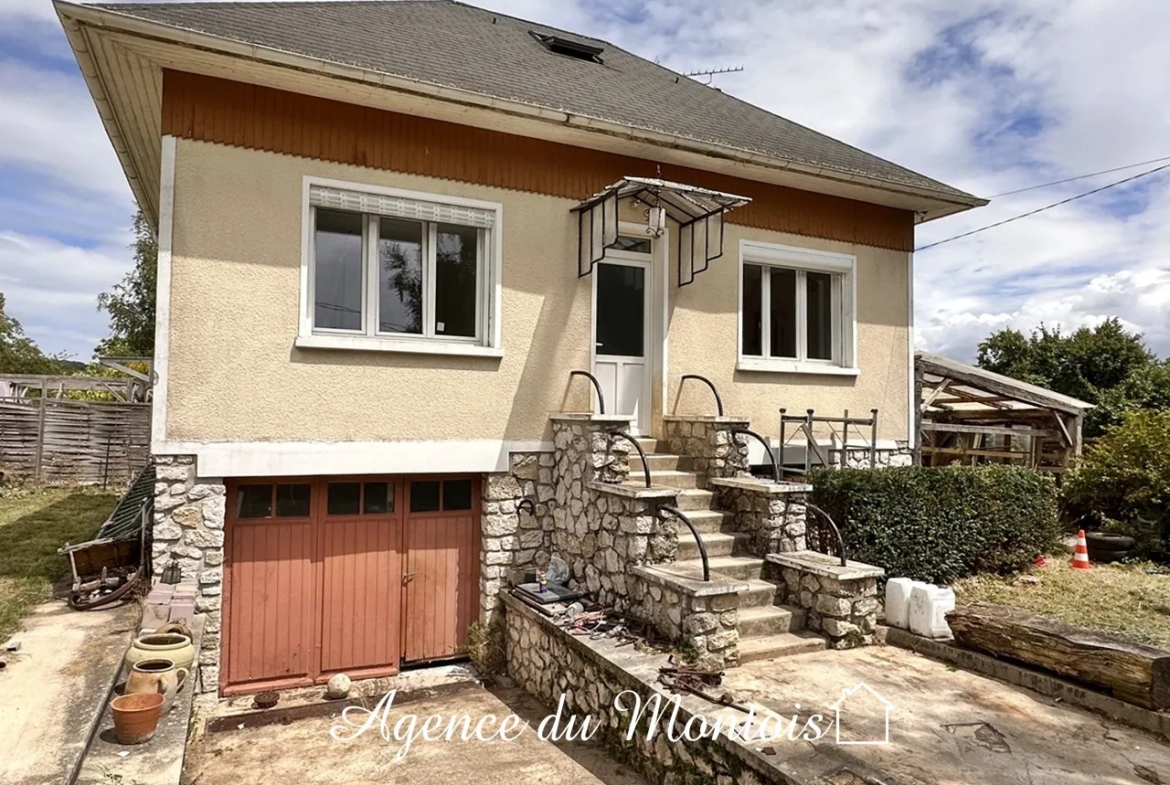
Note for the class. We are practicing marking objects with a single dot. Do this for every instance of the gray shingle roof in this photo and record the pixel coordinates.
(447, 43)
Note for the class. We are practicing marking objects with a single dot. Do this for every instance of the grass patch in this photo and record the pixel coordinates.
(1132, 600)
(32, 527)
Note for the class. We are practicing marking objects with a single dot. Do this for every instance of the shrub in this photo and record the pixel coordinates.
(1124, 478)
(941, 524)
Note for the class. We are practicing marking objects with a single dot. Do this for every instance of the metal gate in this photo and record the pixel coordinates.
(356, 574)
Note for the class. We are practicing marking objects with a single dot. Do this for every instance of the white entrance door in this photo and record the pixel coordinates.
(621, 334)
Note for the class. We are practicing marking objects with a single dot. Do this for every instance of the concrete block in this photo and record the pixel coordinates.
(183, 611)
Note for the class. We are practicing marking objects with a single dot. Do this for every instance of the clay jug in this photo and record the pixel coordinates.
(159, 675)
(152, 646)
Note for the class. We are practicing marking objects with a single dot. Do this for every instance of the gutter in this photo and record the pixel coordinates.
(105, 18)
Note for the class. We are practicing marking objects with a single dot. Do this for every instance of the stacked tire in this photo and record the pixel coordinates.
(1107, 548)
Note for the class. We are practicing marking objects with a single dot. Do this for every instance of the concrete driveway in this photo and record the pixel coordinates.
(303, 752)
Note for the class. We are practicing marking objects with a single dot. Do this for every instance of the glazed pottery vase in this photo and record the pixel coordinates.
(136, 717)
(153, 646)
(159, 675)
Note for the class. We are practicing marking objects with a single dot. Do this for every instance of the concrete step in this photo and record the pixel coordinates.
(738, 567)
(650, 444)
(718, 544)
(674, 479)
(765, 620)
(657, 461)
(784, 644)
(710, 521)
(759, 593)
(694, 499)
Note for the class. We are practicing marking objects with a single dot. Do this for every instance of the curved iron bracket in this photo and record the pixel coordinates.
(596, 386)
(702, 546)
(709, 383)
(641, 452)
(526, 504)
(836, 532)
(767, 449)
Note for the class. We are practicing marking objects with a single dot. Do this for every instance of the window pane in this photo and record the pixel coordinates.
(820, 316)
(621, 310)
(783, 316)
(379, 498)
(633, 244)
(424, 496)
(400, 276)
(254, 501)
(457, 494)
(344, 498)
(292, 501)
(456, 260)
(753, 310)
(337, 260)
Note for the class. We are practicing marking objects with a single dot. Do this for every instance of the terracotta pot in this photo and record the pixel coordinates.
(136, 716)
(152, 646)
(159, 675)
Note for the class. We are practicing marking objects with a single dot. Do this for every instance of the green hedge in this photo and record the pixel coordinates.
(941, 524)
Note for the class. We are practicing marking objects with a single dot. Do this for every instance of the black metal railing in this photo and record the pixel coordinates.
(666, 508)
(816, 535)
(641, 452)
(709, 383)
(767, 450)
(526, 504)
(596, 386)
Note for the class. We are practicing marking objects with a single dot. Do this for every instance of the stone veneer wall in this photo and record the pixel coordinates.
(713, 450)
(548, 662)
(188, 527)
(775, 516)
(703, 619)
(844, 610)
(858, 457)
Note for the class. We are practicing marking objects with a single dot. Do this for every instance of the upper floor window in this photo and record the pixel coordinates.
(796, 310)
(399, 271)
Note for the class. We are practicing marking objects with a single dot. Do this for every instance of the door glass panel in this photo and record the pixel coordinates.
(337, 264)
(753, 310)
(254, 501)
(379, 498)
(457, 494)
(783, 329)
(456, 291)
(632, 244)
(292, 501)
(820, 316)
(424, 496)
(400, 276)
(621, 310)
(344, 498)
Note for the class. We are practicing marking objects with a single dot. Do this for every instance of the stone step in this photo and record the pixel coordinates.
(651, 444)
(657, 461)
(765, 620)
(694, 499)
(718, 544)
(738, 567)
(674, 479)
(782, 645)
(759, 593)
(709, 521)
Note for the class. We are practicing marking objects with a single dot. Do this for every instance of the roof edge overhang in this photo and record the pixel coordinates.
(926, 204)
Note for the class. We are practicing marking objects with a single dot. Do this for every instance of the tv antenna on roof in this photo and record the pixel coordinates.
(711, 74)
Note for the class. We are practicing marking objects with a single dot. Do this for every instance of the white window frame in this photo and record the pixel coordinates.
(803, 260)
(486, 343)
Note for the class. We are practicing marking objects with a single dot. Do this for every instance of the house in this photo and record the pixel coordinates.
(389, 233)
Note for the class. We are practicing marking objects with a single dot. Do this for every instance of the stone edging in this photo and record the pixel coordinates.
(763, 487)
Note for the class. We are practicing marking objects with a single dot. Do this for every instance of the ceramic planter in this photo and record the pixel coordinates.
(157, 675)
(153, 646)
(136, 717)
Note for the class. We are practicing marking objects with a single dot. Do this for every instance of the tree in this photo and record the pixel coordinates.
(1147, 387)
(131, 303)
(18, 352)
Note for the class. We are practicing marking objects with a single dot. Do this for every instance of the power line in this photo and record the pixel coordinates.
(1079, 177)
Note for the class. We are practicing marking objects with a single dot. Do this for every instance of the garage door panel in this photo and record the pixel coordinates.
(442, 569)
(361, 594)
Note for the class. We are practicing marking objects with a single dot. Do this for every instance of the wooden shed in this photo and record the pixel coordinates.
(970, 415)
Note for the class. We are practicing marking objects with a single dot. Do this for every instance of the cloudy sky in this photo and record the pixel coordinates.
(986, 95)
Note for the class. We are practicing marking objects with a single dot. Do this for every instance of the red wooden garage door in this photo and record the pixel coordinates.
(346, 574)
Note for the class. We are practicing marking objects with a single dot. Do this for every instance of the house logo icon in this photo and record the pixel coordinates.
(862, 716)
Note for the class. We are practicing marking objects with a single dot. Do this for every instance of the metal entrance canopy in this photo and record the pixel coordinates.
(697, 211)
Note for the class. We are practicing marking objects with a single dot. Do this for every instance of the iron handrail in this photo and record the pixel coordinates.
(767, 449)
(698, 539)
(641, 452)
(596, 386)
(526, 504)
(709, 383)
(836, 532)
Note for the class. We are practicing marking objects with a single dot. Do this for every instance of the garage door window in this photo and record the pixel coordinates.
(290, 500)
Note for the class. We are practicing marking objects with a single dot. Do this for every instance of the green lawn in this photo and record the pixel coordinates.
(1132, 600)
(32, 527)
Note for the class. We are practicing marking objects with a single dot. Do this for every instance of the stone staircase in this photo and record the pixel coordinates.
(767, 629)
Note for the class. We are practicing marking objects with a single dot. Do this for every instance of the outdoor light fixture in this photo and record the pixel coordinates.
(172, 573)
(655, 221)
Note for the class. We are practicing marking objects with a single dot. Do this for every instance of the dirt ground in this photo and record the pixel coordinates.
(303, 752)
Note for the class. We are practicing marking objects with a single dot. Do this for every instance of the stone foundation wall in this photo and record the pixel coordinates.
(843, 610)
(858, 457)
(705, 625)
(709, 444)
(775, 516)
(188, 527)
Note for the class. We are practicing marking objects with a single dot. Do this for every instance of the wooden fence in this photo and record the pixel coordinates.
(58, 441)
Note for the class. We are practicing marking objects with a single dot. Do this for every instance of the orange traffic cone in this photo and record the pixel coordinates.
(1080, 560)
